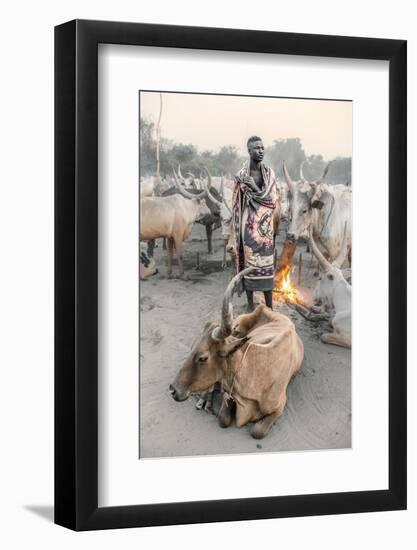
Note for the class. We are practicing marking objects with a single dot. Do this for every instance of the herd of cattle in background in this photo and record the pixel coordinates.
(265, 339)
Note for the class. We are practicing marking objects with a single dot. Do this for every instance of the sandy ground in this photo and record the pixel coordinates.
(173, 312)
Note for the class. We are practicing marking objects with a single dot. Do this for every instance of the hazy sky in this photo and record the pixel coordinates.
(210, 121)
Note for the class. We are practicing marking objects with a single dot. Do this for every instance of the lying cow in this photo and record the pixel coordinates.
(253, 361)
(335, 290)
(320, 294)
(147, 266)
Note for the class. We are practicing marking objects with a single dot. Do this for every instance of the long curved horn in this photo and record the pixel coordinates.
(185, 193)
(290, 183)
(191, 174)
(225, 328)
(342, 253)
(222, 195)
(210, 196)
(213, 198)
(324, 264)
(326, 170)
(301, 171)
(179, 171)
(208, 175)
(176, 182)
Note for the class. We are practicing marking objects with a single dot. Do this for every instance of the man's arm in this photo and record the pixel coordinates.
(250, 182)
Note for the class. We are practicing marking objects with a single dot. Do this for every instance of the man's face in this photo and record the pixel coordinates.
(256, 150)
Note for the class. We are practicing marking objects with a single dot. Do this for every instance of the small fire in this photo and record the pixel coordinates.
(286, 289)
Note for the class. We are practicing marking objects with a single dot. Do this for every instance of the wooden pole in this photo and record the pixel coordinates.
(300, 263)
(158, 136)
(285, 259)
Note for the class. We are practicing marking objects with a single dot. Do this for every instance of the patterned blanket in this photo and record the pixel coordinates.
(253, 228)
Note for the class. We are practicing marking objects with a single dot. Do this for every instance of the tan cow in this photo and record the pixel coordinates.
(171, 217)
(252, 359)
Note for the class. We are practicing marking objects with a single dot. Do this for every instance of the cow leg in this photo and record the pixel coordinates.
(205, 401)
(170, 254)
(336, 339)
(225, 417)
(224, 262)
(151, 246)
(261, 428)
(209, 233)
(178, 250)
(164, 244)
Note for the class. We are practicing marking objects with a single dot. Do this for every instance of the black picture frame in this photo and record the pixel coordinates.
(76, 272)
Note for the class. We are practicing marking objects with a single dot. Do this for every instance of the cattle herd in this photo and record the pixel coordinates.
(252, 358)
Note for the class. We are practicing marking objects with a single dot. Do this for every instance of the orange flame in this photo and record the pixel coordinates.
(286, 289)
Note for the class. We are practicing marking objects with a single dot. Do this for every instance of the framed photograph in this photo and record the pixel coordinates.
(230, 275)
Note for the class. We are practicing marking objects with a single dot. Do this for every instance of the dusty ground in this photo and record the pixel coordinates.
(173, 312)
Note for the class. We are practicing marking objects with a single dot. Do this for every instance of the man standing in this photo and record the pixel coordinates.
(254, 200)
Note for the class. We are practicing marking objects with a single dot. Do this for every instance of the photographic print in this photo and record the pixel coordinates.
(245, 274)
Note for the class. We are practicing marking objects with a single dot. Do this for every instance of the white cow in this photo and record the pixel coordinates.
(334, 288)
(146, 186)
(325, 208)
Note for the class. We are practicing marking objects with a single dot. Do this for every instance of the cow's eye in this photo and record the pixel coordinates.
(203, 359)
(330, 277)
(316, 274)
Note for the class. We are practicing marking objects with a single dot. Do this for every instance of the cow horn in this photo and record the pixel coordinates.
(301, 171)
(222, 195)
(181, 189)
(326, 170)
(222, 187)
(290, 183)
(213, 198)
(207, 190)
(185, 193)
(179, 172)
(225, 328)
(324, 264)
(342, 253)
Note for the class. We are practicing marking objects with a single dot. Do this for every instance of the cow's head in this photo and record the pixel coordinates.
(307, 197)
(147, 266)
(330, 273)
(202, 198)
(207, 361)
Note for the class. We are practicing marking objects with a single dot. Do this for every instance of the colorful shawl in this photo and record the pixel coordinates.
(253, 228)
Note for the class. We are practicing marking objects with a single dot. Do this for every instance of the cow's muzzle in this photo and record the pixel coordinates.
(177, 395)
(291, 237)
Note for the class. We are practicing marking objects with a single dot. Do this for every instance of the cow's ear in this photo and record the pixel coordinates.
(317, 204)
(234, 346)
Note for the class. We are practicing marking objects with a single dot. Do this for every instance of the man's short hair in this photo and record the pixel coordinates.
(252, 139)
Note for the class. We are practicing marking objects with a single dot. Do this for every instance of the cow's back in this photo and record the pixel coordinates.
(162, 216)
(272, 356)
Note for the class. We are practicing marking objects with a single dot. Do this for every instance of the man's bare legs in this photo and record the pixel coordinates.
(267, 296)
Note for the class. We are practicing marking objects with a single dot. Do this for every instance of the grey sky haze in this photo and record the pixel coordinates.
(211, 121)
